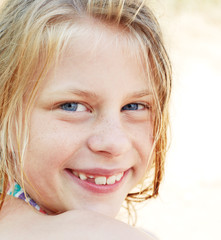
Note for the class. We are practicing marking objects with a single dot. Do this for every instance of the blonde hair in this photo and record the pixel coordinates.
(33, 33)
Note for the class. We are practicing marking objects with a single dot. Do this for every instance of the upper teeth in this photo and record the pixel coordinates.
(82, 176)
(100, 180)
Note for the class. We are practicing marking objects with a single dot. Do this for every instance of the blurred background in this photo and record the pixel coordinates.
(189, 204)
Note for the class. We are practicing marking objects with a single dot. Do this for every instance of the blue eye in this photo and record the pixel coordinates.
(133, 107)
(73, 107)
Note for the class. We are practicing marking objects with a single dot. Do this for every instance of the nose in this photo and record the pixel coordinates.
(109, 138)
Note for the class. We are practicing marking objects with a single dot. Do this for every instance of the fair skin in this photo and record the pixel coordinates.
(92, 117)
(90, 138)
(18, 221)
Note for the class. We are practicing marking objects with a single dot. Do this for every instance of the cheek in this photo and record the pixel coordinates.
(146, 159)
(143, 143)
(51, 144)
(143, 140)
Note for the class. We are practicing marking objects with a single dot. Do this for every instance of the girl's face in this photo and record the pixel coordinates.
(90, 128)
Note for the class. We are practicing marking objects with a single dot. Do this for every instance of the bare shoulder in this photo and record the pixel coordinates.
(87, 225)
(81, 225)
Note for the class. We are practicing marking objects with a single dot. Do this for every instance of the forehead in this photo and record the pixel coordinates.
(95, 35)
(98, 53)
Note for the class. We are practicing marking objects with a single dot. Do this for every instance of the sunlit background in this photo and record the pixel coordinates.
(189, 205)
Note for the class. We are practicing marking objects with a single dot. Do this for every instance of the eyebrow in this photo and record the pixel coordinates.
(139, 94)
(88, 94)
(93, 95)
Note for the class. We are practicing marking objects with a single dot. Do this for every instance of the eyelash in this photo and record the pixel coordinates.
(143, 106)
(129, 105)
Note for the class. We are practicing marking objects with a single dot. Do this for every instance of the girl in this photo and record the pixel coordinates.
(84, 91)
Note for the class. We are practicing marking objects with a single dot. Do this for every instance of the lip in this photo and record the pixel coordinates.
(100, 171)
(92, 187)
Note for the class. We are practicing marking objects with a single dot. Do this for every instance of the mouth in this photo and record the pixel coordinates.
(98, 182)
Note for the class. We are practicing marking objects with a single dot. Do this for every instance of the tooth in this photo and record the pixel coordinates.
(111, 180)
(75, 173)
(119, 176)
(100, 180)
(91, 176)
(82, 176)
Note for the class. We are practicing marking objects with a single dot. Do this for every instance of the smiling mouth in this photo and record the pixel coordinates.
(99, 180)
